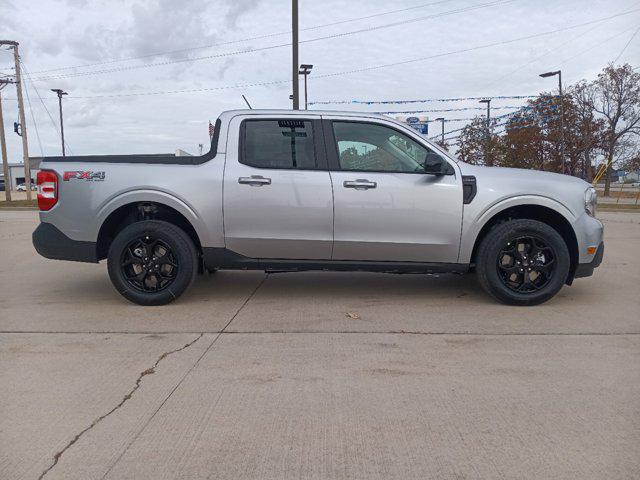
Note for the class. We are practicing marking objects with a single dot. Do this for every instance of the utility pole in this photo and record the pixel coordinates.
(23, 122)
(60, 93)
(441, 119)
(305, 69)
(3, 147)
(294, 60)
(562, 141)
(488, 133)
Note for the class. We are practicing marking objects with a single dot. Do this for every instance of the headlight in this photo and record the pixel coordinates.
(590, 201)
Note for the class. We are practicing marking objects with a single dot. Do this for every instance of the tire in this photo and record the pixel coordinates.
(505, 271)
(131, 262)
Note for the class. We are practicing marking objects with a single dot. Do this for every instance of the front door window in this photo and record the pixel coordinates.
(377, 148)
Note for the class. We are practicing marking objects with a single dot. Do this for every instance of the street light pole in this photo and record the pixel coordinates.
(305, 69)
(562, 140)
(487, 133)
(294, 59)
(60, 93)
(441, 119)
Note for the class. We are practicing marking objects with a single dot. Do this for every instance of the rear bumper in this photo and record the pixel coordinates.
(52, 243)
(586, 269)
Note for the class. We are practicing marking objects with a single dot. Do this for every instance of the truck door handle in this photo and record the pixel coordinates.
(254, 180)
(359, 184)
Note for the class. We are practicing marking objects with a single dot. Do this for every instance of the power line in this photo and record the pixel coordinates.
(479, 47)
(562, 62)
(449, 120)
(159, 64)
(190, 90)
(557, 47)
(53, 122)
(270, 47)
(627, 44)
(505, 115)
(462, 109)
(589, 30)
(425, 100)
(510, 124)
(242, 40)
(349, 72)
(33, 118)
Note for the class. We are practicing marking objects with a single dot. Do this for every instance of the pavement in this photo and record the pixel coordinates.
(15, 195)
(317, 375)
(611, 201)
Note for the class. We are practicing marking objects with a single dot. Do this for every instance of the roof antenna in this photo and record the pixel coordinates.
(247, 102)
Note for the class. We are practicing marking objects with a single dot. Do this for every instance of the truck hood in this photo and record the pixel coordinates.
(502, 183)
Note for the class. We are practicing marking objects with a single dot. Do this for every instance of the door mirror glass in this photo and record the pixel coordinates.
(435, 165)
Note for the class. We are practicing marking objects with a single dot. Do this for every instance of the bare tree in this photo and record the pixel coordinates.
(479, 145)
(534, 135)
(586, 132)
(616, 97)
(443, 144)
(628, 154)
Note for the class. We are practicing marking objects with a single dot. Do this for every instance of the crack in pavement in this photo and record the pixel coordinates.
(166, 399)
(148, 371)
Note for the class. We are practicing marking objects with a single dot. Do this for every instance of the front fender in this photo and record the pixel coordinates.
(476, 217)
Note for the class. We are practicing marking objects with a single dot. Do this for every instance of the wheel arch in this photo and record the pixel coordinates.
(135, 211)
(557, 218)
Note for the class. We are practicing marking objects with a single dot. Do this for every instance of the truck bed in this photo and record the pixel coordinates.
(145, 158)
(139, 158)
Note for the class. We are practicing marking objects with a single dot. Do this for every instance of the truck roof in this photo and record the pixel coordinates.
(283, 111)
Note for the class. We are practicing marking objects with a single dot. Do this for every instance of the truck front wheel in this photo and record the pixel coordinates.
(152, 262)
(522, 262)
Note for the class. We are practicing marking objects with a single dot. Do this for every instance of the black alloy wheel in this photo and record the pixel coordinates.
(526, 264)
(522, 262)
(148, 264)
(152, 262)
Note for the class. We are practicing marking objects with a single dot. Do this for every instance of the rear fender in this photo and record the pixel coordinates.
(160, 197)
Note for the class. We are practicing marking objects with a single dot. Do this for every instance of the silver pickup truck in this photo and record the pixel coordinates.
(316, 190)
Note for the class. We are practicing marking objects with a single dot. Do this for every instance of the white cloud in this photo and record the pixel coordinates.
(53, 34)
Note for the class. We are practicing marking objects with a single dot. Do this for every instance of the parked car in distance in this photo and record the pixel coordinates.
(316, 190)
(21, 187)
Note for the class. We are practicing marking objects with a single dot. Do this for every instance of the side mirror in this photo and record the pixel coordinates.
(435, 165)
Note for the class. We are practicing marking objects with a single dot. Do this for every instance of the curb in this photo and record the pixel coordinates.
(19, 209)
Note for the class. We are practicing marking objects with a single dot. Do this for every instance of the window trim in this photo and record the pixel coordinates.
(333, 153)
(318, 146)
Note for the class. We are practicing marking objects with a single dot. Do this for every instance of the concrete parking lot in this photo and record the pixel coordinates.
(317, 375)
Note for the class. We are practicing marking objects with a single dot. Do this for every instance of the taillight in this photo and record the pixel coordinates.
(47, 189)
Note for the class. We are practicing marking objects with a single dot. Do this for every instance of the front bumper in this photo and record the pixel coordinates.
(52, 243)
(586, 269)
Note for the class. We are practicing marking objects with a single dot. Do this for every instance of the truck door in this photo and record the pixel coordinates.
(386, 207)
(277, 197)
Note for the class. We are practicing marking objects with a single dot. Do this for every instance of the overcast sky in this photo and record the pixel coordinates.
(57, 34)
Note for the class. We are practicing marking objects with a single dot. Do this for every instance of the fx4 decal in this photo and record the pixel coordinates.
(85, 175)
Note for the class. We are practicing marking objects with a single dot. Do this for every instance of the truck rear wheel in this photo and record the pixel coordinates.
(522, 262)
(152, 262)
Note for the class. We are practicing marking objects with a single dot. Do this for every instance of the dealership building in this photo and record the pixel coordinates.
(16, 172)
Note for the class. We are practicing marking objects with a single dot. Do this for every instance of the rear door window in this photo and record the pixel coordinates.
(283, 144)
